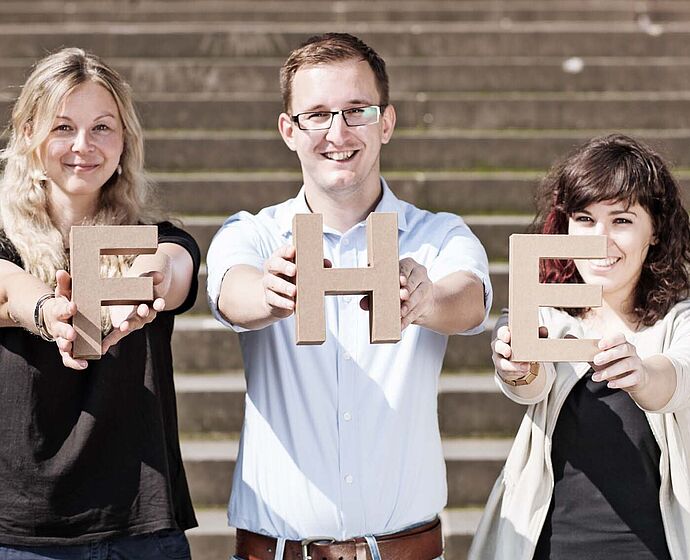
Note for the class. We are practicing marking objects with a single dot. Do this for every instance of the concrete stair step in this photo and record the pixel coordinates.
(411, 150)
(463, 192)
(213, 539)
(225, 193)
(482, 72)
(342, 12)
(468, 111)
(319, 12)
(469, 405)
(405, 4)
(472, 467)
(201, 344)
(585, 111)
(222, 39)
(492, 231)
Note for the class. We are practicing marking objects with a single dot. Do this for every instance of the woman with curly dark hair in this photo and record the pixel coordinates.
(599, 467)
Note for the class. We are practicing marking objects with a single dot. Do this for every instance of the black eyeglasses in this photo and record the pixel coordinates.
(322, 120)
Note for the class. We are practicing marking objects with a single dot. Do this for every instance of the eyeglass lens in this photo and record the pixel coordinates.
(357, 116)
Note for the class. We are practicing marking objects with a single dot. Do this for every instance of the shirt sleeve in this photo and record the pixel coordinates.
(678, 351)
(168, 233)
(462, 251)
(237, 242)
(8, 251)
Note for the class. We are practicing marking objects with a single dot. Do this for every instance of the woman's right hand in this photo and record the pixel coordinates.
(502, 352)
(57, 314)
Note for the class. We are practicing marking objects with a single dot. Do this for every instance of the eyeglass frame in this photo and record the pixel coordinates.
(379, 111)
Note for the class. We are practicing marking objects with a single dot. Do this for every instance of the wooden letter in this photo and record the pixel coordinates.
(90, 291)
(526, 295)
(381, 279)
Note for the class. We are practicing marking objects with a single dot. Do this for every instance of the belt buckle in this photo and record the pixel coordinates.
(309, 540)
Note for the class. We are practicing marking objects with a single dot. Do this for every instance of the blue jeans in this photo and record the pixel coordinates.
(161, 545)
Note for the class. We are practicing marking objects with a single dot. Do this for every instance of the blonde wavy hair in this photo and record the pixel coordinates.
(24, 205)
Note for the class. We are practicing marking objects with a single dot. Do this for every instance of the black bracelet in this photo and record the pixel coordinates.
(39, 320)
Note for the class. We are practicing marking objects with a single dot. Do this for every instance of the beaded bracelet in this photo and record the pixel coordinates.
(39, 320)
(526, 379)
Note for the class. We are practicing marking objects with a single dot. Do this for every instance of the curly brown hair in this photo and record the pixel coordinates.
(619, 168)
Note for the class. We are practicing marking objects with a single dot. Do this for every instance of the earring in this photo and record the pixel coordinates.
(119, 170)
(41, 178)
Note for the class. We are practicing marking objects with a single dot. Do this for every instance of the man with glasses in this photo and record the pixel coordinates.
(340, 455)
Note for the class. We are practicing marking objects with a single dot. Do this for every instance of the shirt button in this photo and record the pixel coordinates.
(346, 356)
(346, 242)
(347, 416)
(347, 299)
(349, 479)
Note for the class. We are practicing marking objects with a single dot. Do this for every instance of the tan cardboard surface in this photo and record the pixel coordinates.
(90, 291)
(526, 295)
(380, 280)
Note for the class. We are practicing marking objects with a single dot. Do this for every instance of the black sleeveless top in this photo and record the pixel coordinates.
(605, 502)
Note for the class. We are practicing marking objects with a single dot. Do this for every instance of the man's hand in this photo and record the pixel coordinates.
(416, 293)
(278, 282)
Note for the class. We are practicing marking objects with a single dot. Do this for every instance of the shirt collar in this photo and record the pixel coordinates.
(298, 205)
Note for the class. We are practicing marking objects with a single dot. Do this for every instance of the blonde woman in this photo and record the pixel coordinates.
(89, 457)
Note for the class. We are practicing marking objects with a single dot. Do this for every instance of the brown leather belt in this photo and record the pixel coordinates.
(424, 542)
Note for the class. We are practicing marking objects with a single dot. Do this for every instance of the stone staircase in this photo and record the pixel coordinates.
(489, 93)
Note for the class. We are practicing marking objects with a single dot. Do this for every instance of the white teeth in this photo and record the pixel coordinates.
(340, 156)
(604, 262)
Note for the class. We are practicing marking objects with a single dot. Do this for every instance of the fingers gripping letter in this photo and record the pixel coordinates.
(90, 291)
(526, 295)
(380, 279)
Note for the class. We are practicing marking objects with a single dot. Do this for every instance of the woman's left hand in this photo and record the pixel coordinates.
(619, 364)
(129, 318)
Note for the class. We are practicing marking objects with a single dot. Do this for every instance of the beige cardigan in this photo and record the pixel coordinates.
(518, 504)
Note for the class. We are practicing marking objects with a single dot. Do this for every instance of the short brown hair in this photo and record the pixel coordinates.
(331, 47)
(621, 169)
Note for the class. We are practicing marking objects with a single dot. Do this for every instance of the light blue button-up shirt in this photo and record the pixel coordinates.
(341, 439)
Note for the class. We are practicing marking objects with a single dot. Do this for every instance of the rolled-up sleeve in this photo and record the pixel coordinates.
(237, 242)
(678, 352)
(462, 251)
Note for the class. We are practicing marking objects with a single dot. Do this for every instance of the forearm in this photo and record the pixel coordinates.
(242, 298)
(458, 304)
(660, 385)
(19, 292)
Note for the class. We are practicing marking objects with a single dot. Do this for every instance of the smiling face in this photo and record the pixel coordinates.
(630, 232)
(83, 148)
(341, 160)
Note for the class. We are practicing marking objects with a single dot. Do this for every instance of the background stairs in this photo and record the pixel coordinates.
(489, 94)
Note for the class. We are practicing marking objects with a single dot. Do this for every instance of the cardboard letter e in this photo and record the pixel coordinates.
(526, 295)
